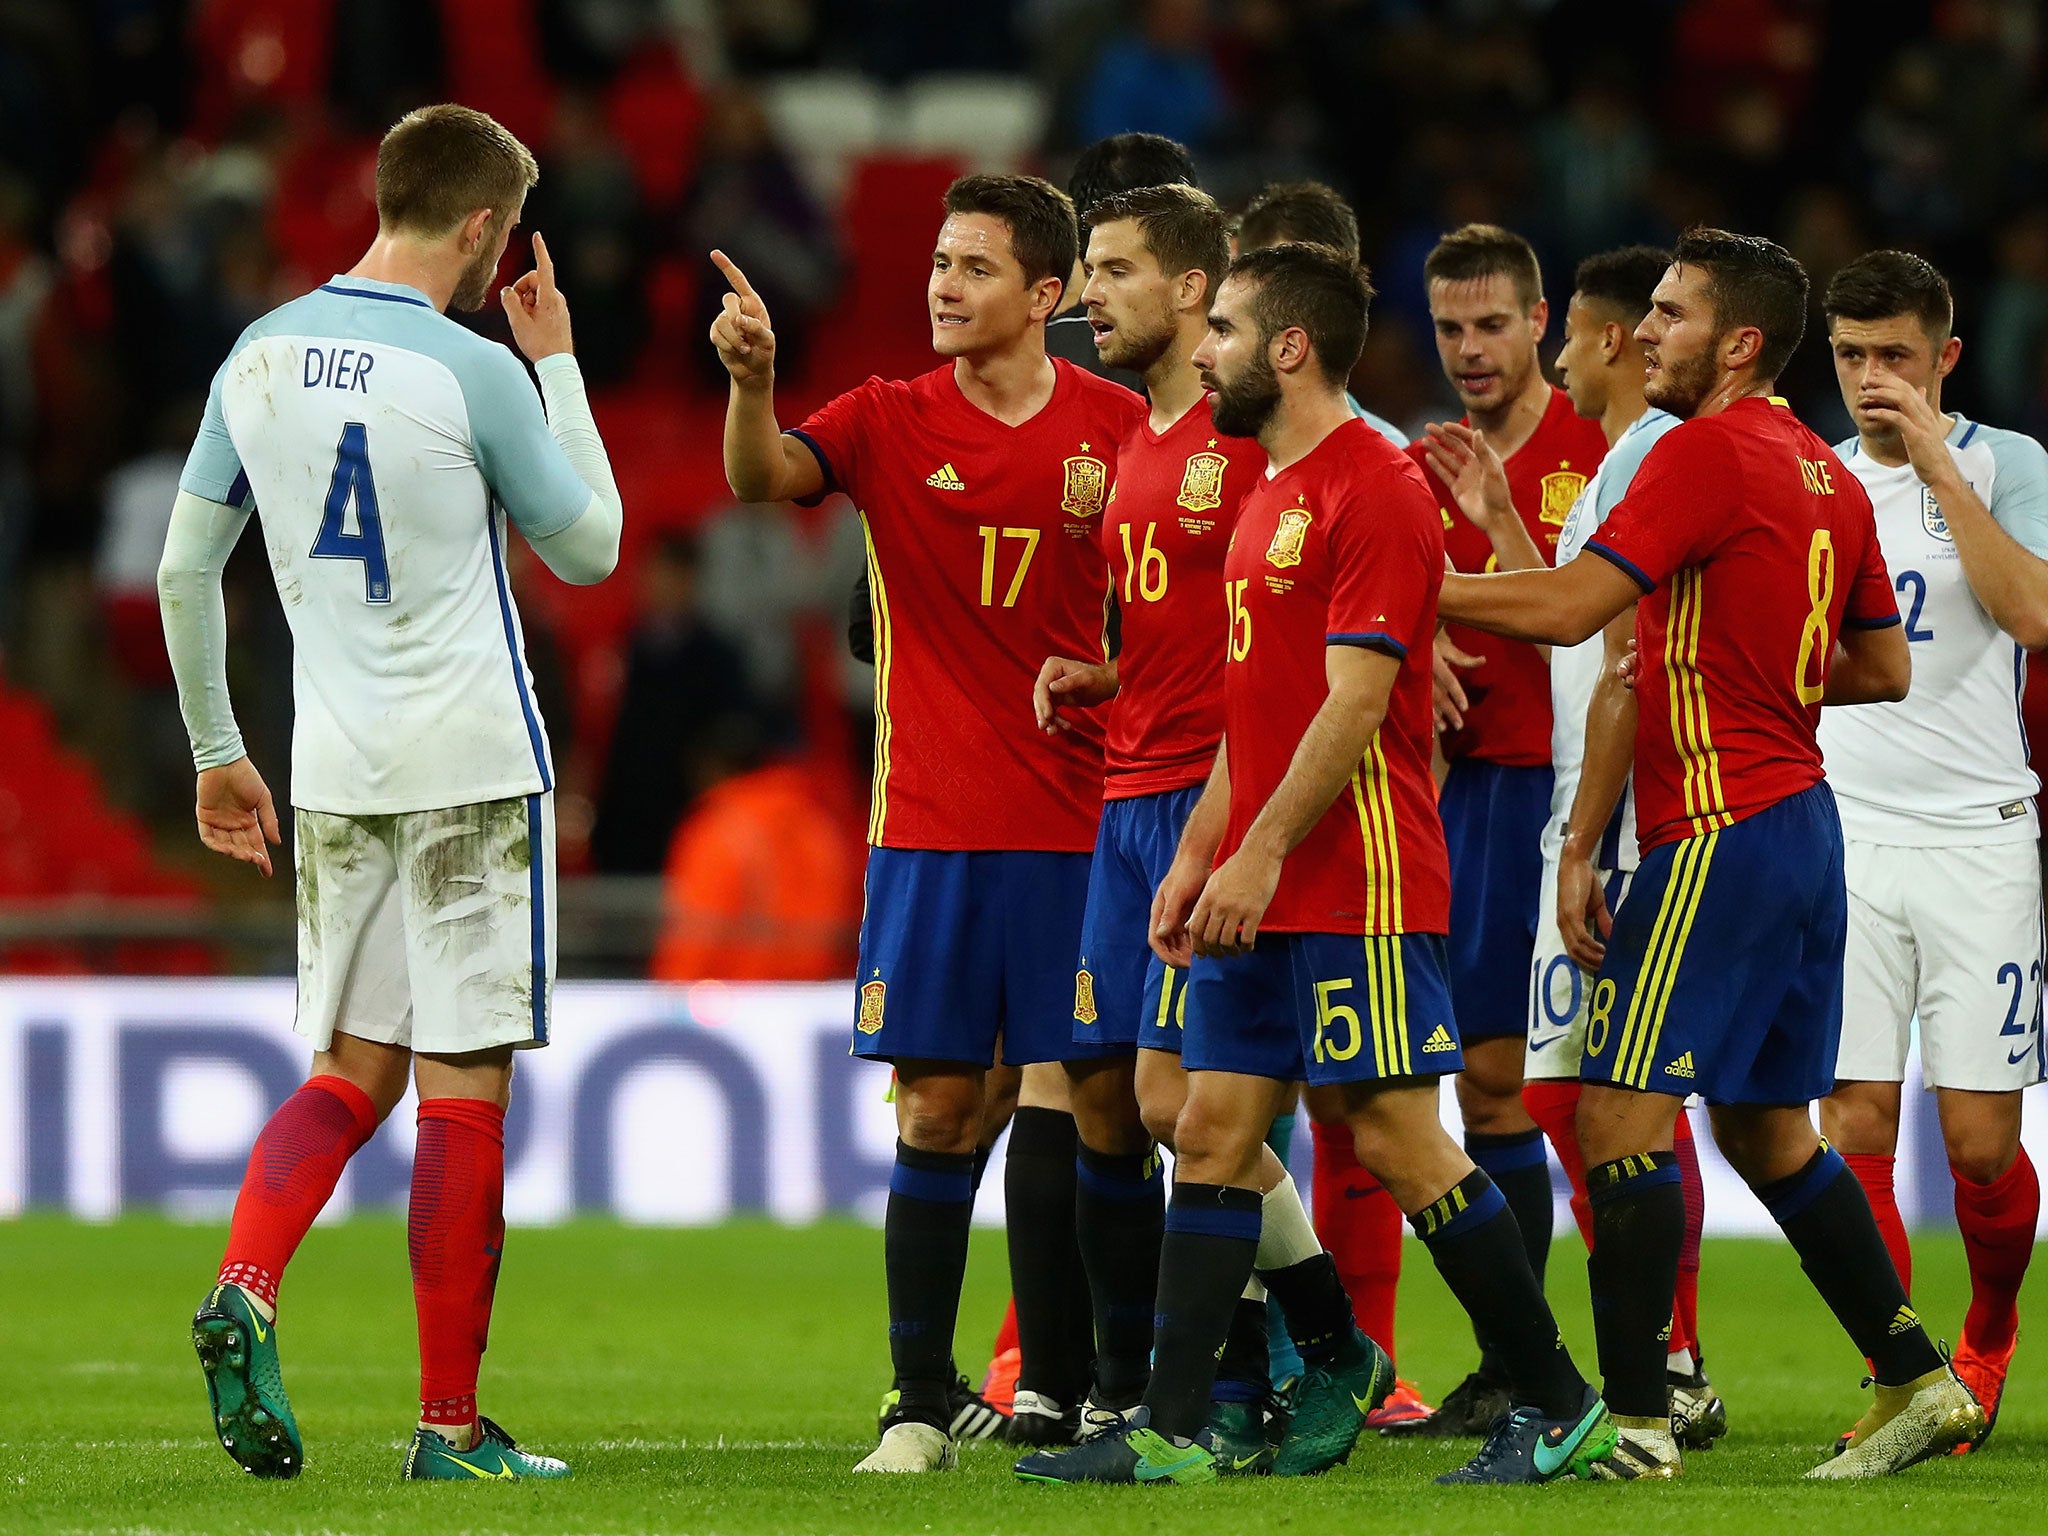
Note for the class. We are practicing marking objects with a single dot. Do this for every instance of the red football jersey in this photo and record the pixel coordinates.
(983, 560)
(1509, 717)
(1170, 514)
(1342, 547)
(1755, 546)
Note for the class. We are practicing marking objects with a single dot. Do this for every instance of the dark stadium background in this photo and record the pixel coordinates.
(170, 169)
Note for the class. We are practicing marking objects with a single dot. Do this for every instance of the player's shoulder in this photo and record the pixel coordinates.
(1364, 465)
(1092, 392)
(2014, 455)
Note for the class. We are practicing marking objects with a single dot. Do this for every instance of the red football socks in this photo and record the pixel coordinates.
(296, 1162)
(1553, 1103)
(1874, 1172)
(1685, 1301)
(1997, 1222)
(455, 1232)
(1362, 1228)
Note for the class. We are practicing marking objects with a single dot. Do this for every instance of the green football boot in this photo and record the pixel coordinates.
(1330, 1408)
(238, 1351)
(494, 1457)
(1135, 1453)
(1237, 1439)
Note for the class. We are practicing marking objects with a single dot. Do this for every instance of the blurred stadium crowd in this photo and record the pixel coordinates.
(171, 169)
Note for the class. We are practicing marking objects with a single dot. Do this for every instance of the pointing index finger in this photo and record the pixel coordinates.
(543, 264)
(734, 275)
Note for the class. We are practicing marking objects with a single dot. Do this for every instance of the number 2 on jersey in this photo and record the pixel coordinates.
(352, 483)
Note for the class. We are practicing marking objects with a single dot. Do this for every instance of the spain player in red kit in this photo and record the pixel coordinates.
(1504, 478)
(1154, 256)
(1309, 897)
(980, 487)
(1764, 596)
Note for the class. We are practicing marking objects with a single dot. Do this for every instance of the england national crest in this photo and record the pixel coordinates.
(1285, 550)
(1087, 481)
(1201, 483)
(1932, 518)
(872, 997)
(1561, 488)
(1084, 997)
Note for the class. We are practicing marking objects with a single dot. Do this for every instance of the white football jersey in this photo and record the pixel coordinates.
(384, 448)
(1947, 765)
(1575, 669)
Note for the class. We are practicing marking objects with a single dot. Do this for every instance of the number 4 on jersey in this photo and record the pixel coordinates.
(352, 483)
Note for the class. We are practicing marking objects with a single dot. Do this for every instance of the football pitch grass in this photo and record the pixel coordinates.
(724, 1380)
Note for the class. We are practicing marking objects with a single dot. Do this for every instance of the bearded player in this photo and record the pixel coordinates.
(391, 451)
(1936, 797)
(1764, 595)
(1310, 892)
(1590, 841)
(1153, 258)
(979, 485)
(1521, 436)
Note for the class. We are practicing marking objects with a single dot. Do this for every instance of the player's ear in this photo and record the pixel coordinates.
(1945, 360)
(1045, 296)
(473, 230)
(1539, 318)
(1613, 340)
(1742, 347)
(1290, 350)
(1194, 291)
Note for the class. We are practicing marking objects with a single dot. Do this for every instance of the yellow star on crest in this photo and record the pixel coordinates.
(1084, 447)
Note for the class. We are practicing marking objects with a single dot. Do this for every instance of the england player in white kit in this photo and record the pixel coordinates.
(1936, 798)
(388, 454)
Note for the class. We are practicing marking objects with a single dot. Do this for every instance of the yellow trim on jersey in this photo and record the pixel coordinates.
(1691, 733)
(885, 654)
(1372, 795)
(1386, 981)
(1676, 912)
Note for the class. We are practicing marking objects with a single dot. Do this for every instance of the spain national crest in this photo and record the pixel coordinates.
(1932, 518)
(872, 996)
(1084, 997)
(1285, 550)
(1087, 481)
(1561, 488)
(1201, 484)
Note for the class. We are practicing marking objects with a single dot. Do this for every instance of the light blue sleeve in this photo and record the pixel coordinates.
(1618, 469)
(520, 459)
(1379, 424)
(2019, 494)
(213, 469)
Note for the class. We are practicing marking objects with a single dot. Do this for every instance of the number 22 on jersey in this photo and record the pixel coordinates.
(352, 484)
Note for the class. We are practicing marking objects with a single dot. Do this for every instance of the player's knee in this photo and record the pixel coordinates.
(938, 1117)
(1211, 1145)
(1858, 1122)
(1161, 1117)
(1981, 1153)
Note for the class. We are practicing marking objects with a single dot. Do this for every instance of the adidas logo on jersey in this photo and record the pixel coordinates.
(945, 479)
(1439, 1040)
(1681, 1067)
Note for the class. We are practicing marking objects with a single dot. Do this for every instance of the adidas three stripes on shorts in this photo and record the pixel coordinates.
(1723, 975)
(1324, 1008)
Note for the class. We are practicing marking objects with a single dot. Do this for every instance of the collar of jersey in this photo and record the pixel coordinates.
(370, 288)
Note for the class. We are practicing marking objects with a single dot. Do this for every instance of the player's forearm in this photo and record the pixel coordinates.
(2006, 577)
(587, 550)
(1870, 666)
(1202, 834)
(1610, 754)
(1522, 605)
(1328, 755)
(201, 535)
(756, 466)
(1513, 548)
